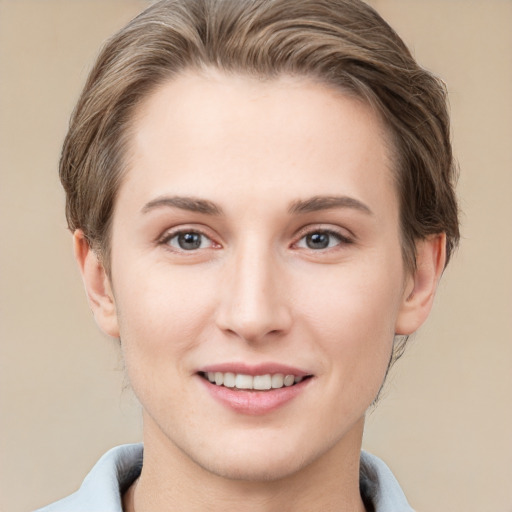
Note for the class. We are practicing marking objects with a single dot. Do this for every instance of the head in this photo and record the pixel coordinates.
(321, 64)
(343, 43)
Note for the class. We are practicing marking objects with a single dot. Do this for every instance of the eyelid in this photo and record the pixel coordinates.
(343, 234)
(340, 233)
(170, 233)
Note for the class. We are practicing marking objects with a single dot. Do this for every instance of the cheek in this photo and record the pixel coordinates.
(162, 316)
(353, 315)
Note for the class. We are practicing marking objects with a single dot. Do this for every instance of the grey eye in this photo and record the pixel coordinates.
(319, 240)
(189, 241)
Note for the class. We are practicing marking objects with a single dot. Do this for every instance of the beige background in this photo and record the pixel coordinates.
(445, 423)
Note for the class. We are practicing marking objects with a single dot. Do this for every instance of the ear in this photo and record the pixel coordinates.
(421, 284)
(97, 285)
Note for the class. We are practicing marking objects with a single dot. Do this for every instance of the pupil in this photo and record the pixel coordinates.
(317, 241)
(188, 241)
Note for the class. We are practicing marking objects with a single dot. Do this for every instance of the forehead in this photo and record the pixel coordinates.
(238, 133)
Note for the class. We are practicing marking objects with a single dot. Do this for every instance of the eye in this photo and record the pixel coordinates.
(188, 241)
(322, 239)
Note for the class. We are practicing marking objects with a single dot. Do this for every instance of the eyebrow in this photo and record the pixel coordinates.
(191, 204)
(317, 203)
(313, 204)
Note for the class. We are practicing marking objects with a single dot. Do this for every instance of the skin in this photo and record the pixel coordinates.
(254, 291)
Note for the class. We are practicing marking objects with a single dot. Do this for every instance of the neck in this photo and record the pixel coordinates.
(170, 480)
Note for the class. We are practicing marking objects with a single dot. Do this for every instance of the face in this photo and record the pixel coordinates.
(256, 244)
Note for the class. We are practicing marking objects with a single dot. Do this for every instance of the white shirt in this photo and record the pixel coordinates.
(103, 487)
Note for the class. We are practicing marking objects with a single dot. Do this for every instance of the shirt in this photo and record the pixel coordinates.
(103, 487)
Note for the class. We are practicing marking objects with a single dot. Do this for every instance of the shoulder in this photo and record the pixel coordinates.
(102, 489)
(379, 486)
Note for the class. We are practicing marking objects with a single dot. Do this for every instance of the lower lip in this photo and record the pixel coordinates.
(252, 402)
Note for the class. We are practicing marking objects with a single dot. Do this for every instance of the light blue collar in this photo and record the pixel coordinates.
(102, 489)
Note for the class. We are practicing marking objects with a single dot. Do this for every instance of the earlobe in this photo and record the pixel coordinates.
(422, 284)
(97, 285)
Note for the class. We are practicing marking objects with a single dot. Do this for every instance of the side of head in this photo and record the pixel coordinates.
(343, 43)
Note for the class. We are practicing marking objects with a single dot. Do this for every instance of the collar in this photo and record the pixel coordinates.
(102, 489)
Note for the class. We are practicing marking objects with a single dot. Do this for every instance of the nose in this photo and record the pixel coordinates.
(254, 304)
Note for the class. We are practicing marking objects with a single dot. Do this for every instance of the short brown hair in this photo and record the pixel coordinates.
(344, 43)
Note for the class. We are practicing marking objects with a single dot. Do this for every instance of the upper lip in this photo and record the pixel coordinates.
(258, 369)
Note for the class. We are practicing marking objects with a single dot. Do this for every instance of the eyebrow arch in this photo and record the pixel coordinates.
(192, 204)
(317, 203)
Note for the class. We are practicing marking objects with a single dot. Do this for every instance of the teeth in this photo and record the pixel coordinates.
(277, 380)
(229, 380)
(258, 382)
(289, 380)
(262, 382)
(243, 381)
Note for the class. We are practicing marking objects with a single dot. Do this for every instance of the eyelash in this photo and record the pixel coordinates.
(339, 240)
(169, 236)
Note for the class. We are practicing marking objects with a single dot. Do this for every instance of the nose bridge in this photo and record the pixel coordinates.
(254, 304)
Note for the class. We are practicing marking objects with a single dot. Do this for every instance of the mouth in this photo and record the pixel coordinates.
(241, 381)
(254, 390)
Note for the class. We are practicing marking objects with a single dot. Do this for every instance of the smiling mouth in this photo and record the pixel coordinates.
(253, 382)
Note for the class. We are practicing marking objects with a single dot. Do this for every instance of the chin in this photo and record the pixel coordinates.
(245, 468)
(254, 459)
